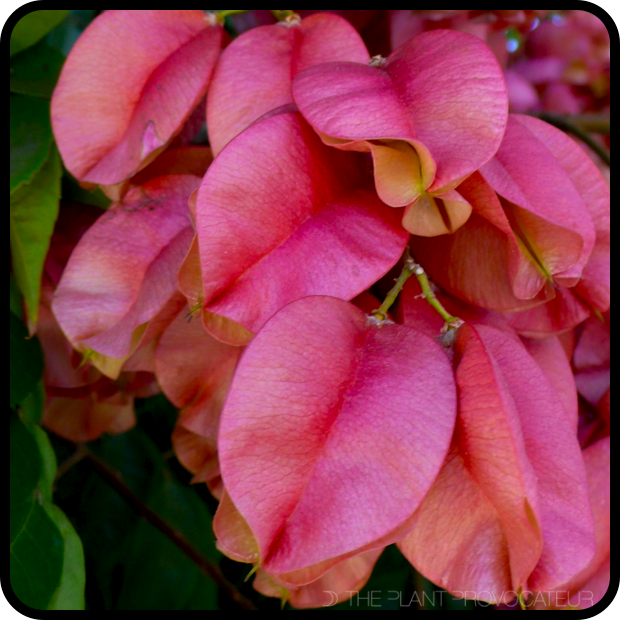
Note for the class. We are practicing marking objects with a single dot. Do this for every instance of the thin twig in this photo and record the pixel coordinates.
(593, 123)
(569, 126)
(208, 568)
(73, 460)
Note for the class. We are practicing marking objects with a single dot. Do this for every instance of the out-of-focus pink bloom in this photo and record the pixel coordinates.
(194, 371)
(522, 95)
(567, 60)
(122, 275)
(592, 359)
(81, 404)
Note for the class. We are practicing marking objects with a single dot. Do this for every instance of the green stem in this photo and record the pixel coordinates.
(281, 15)
(408, 269)
(411, 268)
(224, 14)
(429, 294)
(522, 603)
(593, 123)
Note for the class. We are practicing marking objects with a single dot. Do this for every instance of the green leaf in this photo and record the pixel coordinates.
(72, 192)
(36, 551)
(156, 568)
(34, 209)
(35, 71)
(70, 592)
(47, 559)
(157, 416)
(48, 461)
(64, 36)
(26, 464)
(103, 518)
(36, 558)
(129, 563)
(16, 298)
(31, 408)
(33, 27)
(30, 138)
(25, 362)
